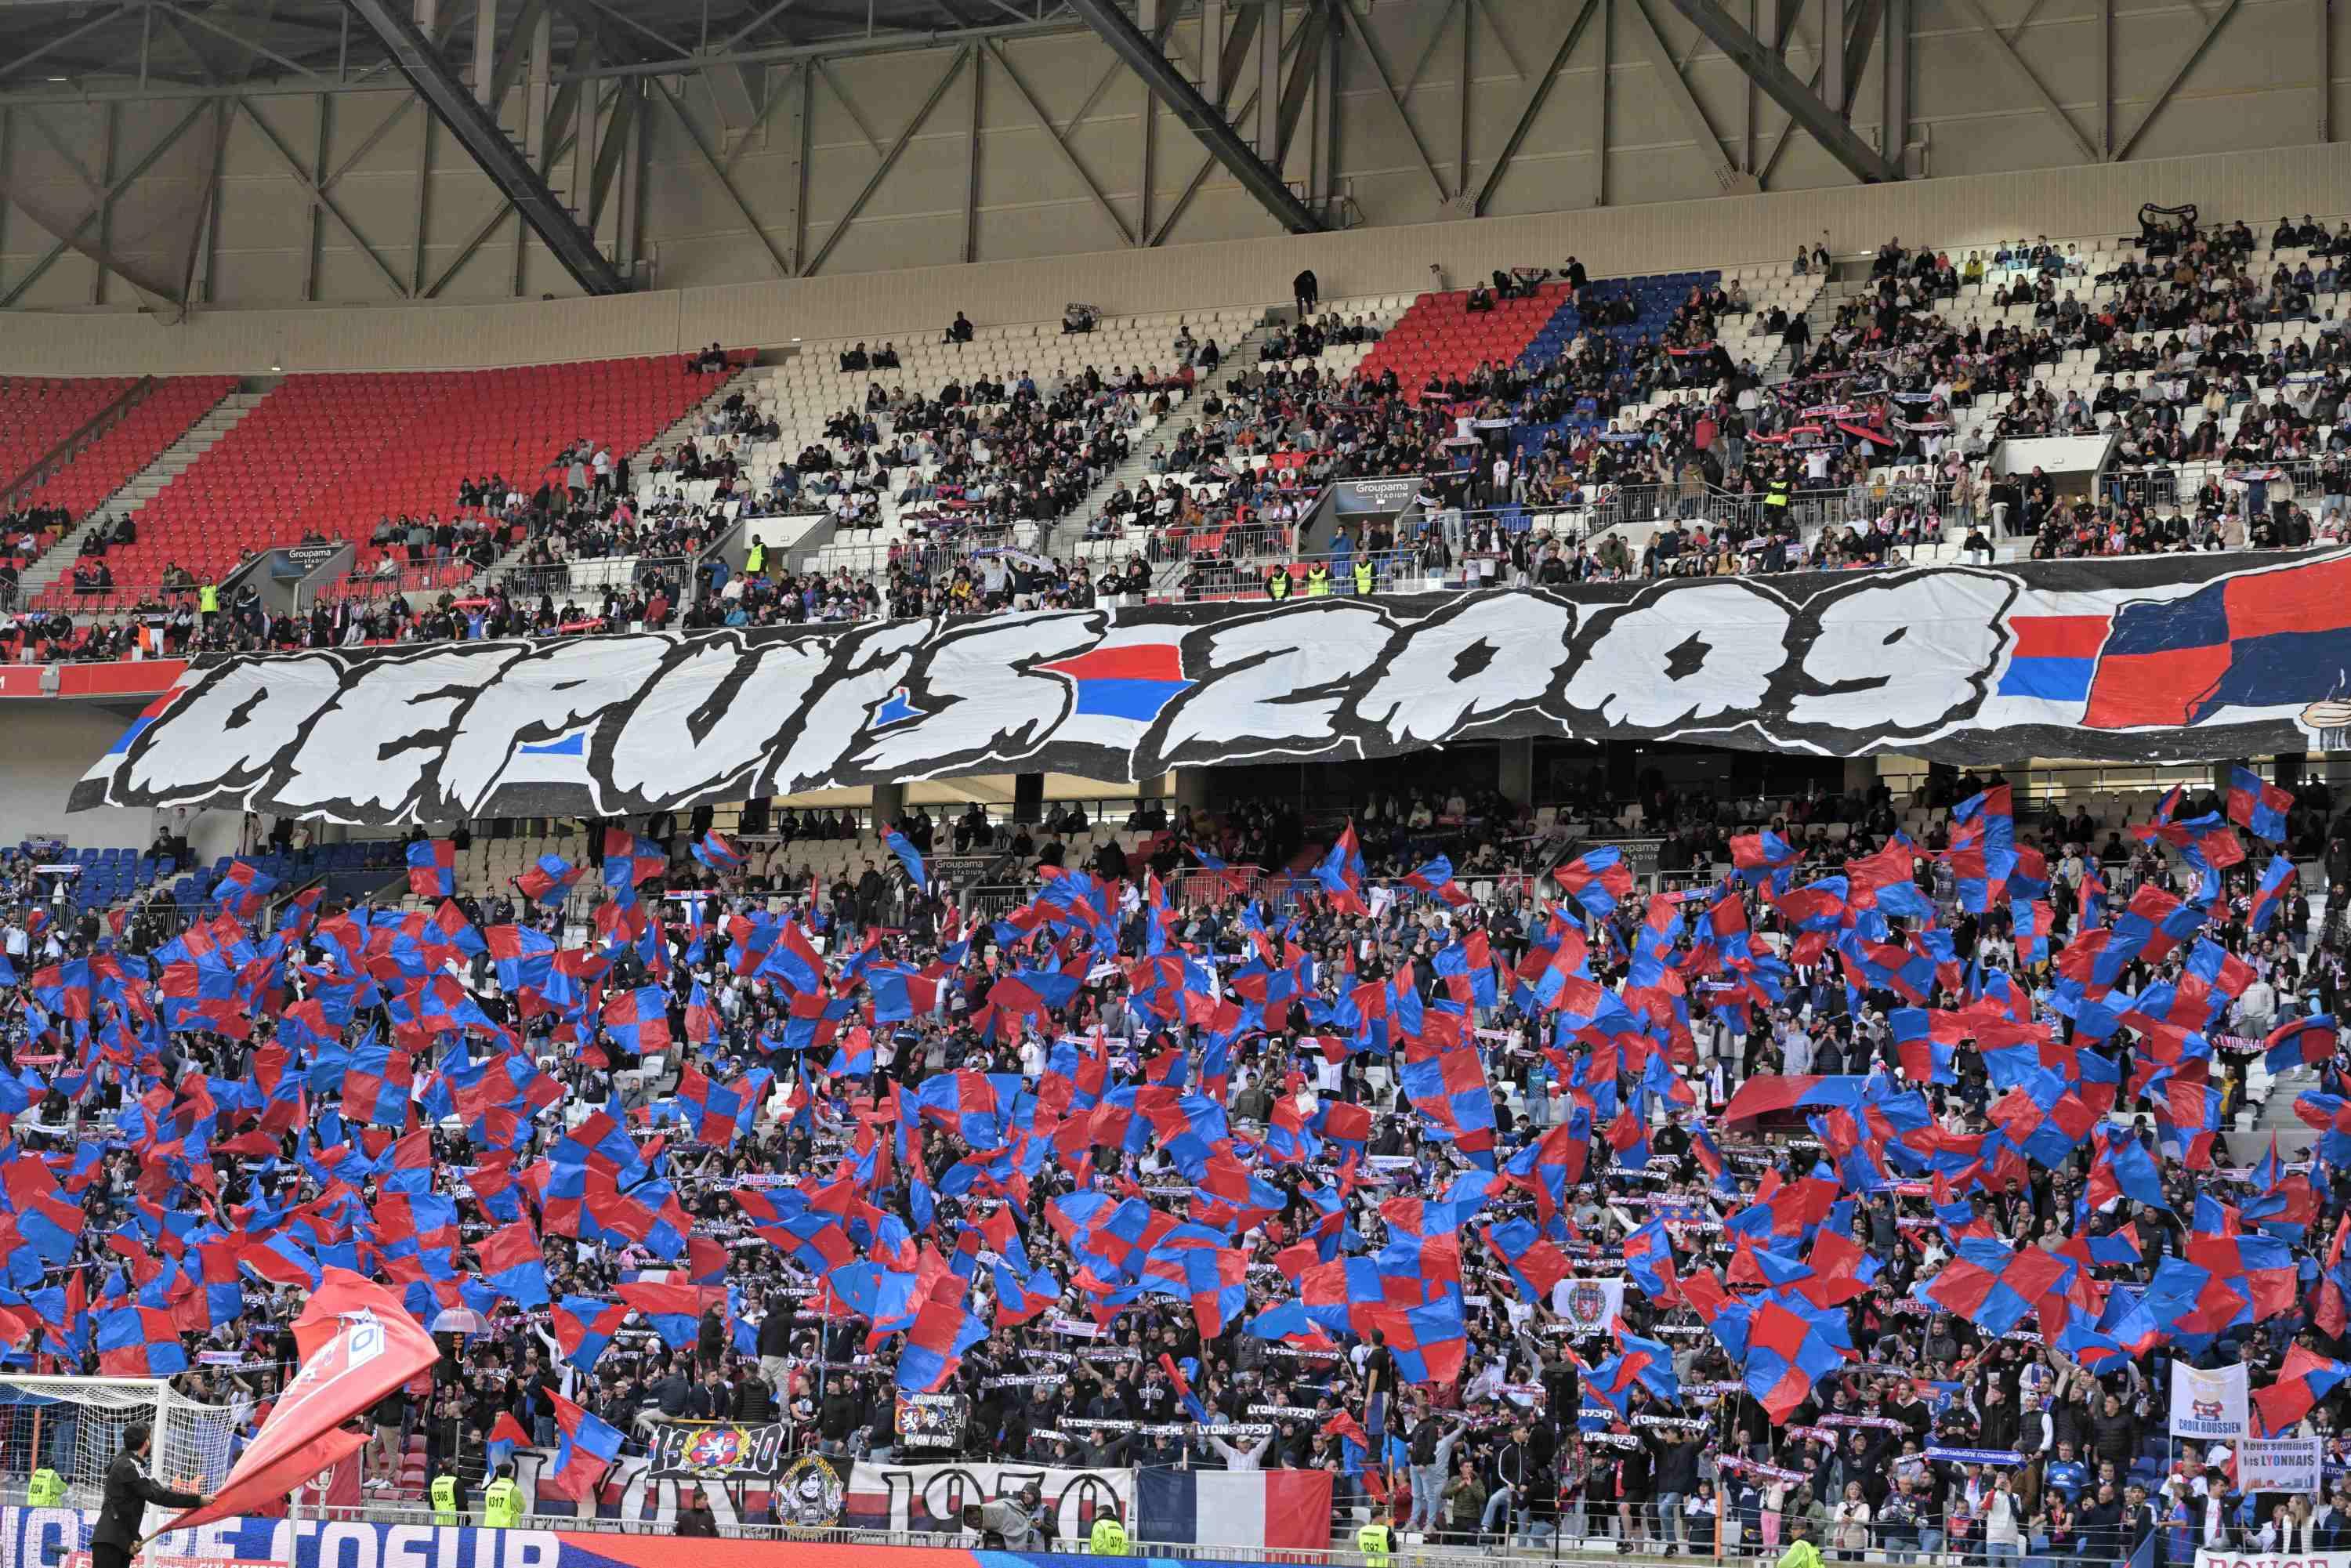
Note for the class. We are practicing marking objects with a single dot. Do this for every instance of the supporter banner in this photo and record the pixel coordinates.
(2158, 658)
(932, 1497)
(716, 1451)
(2272, 1559)
(50, 1537)
(2278, 1464)
(2209, 1404)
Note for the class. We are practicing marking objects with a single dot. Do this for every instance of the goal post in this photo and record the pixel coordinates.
(74, 1425)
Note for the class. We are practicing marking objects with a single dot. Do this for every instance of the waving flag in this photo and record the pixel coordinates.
(1993, 1286)
(910, 857)
(433, 868)
(583, 1326)
(586, 1449)
(718, 853)
(358, 1345)
(941, 1332)
(1341, 873)
(2300, 1042)
(1637, 1364)
(2258, 807)
(1597, 879)
(1791, 1345)
(2268, 897)
(2307, 1379)
(549, 880)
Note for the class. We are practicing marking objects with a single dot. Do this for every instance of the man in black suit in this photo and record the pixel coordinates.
(128, 1491)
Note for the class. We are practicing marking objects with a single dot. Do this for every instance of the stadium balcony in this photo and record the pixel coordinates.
(331, 456)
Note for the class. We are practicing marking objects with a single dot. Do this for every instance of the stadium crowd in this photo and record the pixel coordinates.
(1526, 1202)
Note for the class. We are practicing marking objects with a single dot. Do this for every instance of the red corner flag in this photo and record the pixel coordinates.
(358, 1345)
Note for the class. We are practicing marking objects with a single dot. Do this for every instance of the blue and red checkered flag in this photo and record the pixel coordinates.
(1341, 873)
(1429, 1342)
(584, 1325)
(1982, 848)
(140, 1342)
(628, 862)
(718, 851)
(1637, 1364)
(514, 1264)
(1765, 856)
(2307, 1379)
(1649, 1262)
(720, 1111)
(431, 868)
(243, 889)
(1183, 1387)
(674, 1311)
(937, 1338)
(505, 1436)
(1535, 1264)
(1791, 1345)
(586, 1449)
(549, 880)
(1596, 879)
(2268, 896)
(1435, 879)
(2123, 1169)
(2300, 1042)
(910, 857)
(2258, 640)
(2258, 807)
(1993, 1286)
(639, 1020)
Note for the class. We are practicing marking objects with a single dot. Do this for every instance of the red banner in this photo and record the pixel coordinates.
(358, 1344)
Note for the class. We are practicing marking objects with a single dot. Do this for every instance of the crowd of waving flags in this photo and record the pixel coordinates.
(363, 1033)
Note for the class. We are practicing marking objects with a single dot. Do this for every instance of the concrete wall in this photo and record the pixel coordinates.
(1717, 230)
(981, 181)
(50, 746)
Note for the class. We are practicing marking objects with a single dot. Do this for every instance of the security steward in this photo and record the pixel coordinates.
(1318, 581)
(1108, 1537)
(1362, 574)
(1375, 1541)
(1277, 583)
(447, 1508)
(501, 1501)
(46, 1489)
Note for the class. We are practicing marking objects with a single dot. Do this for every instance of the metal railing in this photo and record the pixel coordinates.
(54, 461)
(1231, 541)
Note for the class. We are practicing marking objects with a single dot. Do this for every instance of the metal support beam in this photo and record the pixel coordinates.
(10, 68)
(1129, 43)
(2325, 63)
(1773, 75)
(2007, 50)
(1646, 39)
(1600, 104)
(1212, 50)
(971, 160)
(1831, 87)
(485, 66)
(481, 136)
(2187, 64)
(1385, 72)
(1861, 31)
(1535, 102)
(319, 194)
(1268, 134)
(962, 57)
(1466, 77)
(617, 140)
(103, 194)
(1044, 123)
(1896, 79)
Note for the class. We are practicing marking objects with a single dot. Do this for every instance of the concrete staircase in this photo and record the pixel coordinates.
(1820, 318)
(1069, 533)
(686, 425)
(143, 486)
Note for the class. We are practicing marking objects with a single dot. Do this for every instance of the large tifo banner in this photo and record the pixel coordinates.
(2175, 657)
(902, 1497)
(45, 1537)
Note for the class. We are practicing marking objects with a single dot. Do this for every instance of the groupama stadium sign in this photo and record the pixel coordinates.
(2178, 657)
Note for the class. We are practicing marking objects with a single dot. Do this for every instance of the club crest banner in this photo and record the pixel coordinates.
(716, 1451)
(2178, 657)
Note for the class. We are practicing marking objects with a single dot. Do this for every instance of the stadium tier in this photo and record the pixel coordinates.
(1253, 1051)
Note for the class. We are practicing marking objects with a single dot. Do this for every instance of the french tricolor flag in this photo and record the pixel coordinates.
(1284, 1508)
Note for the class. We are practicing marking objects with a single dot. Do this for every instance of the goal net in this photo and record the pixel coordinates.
(75, 1424)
